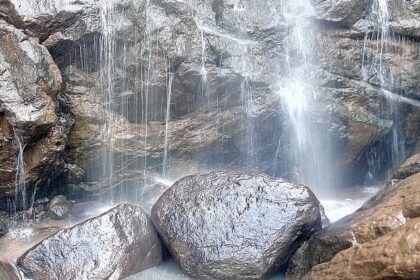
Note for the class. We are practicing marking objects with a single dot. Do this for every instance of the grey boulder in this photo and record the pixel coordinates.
(114, 245)
(59, 207)
(229, 225)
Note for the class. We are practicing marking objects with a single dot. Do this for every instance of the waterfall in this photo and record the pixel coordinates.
(167, 120)
(383, 39)
(309, 161)
(21, 202)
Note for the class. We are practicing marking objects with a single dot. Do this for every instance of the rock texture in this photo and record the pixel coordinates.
(29, 83)
(386, 212)
(59, 207)
(392, 256)
(410, 167)
(113, 245)
(234, 225)
(225, 65)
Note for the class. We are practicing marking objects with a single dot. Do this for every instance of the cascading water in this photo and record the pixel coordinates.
(382, 39)
(21, 202)
(167, 120)
(309, 161)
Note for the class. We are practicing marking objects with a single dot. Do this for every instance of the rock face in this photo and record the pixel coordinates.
(30, 121)
(234, 225)
(225, 65)
(393, 256)
(113, 245)
(384, 213)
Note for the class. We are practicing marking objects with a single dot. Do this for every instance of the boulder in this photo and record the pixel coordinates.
(59, 207)
(392, 256)
(231, 225)
(383, 213)
(114, 245)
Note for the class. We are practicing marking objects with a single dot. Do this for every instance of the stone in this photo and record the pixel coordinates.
(392, 256)
(385, 212)
(409, 167)
(59, 207)
(231, 225)
(114, 245)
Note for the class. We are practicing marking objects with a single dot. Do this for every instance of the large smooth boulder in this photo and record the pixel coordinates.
(393, 256)
(383, 213)
(114, 245)
(230, 225)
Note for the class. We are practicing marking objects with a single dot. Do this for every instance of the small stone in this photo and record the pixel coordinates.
(59, 207)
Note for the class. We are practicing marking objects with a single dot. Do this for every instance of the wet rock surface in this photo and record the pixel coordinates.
(226, 225)
(227, 64)
(114, 245)
(384, 213)
(29, 117)
(392, 256)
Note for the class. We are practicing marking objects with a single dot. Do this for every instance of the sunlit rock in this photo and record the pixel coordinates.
(228, 225)
(383, 213)
(392, 256)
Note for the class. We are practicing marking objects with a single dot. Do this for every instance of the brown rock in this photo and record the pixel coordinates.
(29, 83)
(392, 256)
(409, 167)
(385, 212)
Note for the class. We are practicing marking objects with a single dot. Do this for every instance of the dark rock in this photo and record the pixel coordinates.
(228, 225)
(113, 245)
(4, 229)
(59, 207)
(9, 13)
(41, 201)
